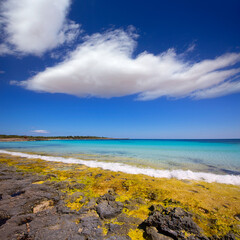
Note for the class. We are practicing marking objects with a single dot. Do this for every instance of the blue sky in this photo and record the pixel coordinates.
(155, 69)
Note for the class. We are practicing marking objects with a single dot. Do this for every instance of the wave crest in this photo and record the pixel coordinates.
(119, 167)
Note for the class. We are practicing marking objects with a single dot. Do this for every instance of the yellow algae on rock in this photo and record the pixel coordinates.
(212, 205)
(136, 234)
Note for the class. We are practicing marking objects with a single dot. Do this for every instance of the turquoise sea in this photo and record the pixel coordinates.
(215, 157)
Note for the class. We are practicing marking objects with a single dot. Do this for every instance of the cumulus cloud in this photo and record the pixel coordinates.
(39, 131)
(104, 66)
(35, 26)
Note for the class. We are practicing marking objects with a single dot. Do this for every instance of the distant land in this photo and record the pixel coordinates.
(17, 138)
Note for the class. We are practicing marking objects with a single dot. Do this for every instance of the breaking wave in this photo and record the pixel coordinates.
(119, 167)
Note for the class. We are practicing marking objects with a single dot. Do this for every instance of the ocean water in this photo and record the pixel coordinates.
(208, 160)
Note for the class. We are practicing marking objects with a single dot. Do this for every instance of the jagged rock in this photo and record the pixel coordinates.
(109, 209)
(171, 222)
(107, 197)
(154, 235)
(90, 227)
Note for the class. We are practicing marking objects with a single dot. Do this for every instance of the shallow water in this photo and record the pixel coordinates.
(207, 156)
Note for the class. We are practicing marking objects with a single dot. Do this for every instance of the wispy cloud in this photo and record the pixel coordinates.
(191, 47)
(103, 66)
(40, 131)
(34, 27)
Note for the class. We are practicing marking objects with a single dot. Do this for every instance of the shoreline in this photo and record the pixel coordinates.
(136, 194)
(125, 168)
(13, 138)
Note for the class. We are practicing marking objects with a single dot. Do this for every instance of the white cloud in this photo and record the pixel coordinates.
(35, 26)
(219, 90)
(4, 49)
(39, 131)
(103, 66)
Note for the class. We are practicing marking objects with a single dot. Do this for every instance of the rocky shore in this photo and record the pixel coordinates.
(40, 203)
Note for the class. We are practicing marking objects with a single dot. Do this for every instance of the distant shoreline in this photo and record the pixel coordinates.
(16, 138)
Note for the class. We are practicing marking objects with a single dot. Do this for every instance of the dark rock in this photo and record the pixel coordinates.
(61, 185)
(171, 201)
(202, 186)
(229, 236)
(237, 216)
(79, 186)
(194, 191)
(171, 222)
(117, 229)
(154, 235)
(25, 219)
(109, 209)
(92, 203)
(156, 207)
(204, 210)
(107, 197)
(17, 193)
(4, 216)
(90, 227)
(98, 175)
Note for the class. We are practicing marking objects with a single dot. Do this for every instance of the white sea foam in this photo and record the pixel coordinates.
(179, 174)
